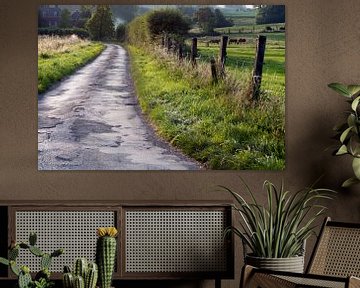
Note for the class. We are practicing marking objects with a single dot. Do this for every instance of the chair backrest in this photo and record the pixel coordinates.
(337, 251)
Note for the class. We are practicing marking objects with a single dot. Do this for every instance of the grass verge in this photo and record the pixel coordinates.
(204, 120)
(53, 66)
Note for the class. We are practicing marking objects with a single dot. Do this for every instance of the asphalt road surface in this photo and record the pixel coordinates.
(92, 121)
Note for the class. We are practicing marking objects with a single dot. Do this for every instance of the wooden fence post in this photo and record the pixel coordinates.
(168, 44)
(223, 45)
(193, 50)
(180, 51)
(258, 67)
(213, 70)
(163, 37)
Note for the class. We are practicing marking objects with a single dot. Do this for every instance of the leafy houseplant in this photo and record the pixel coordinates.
(279, 229)
(42, 278)
(349, 132)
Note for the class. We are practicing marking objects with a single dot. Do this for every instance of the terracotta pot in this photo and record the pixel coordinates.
(291, 264)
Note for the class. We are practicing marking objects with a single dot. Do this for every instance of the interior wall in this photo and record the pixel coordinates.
(322, 46)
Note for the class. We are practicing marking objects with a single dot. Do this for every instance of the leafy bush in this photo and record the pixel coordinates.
(82, 33)
(147, 28)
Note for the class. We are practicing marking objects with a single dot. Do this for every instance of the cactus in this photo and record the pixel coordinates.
(89, 272)
(24, 278)
(79, 282)
(32, 239)
(36, 251)
(68, 280)
(45, 261)
(23, 273)
(91, 276)
(105, 254)
(80, 267)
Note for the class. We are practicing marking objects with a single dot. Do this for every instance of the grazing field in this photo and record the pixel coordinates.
(61, 56)
(240, 60)
(206, 121)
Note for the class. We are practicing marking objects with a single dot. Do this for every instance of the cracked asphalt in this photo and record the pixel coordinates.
(92, 121)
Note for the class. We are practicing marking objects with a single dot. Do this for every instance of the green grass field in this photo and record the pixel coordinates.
(240, 59)
(55, 63)
(203, 120)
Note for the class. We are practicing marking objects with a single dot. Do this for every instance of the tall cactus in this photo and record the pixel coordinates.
(91, 276)
(79, 282)
(106, 254)
(81, 265)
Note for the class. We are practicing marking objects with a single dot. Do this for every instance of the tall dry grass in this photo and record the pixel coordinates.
(56, 44)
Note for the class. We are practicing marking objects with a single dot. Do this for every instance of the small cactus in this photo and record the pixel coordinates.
(32, 239)
(80, 267)
(68, 280)
(79, 282)
(45, 261)
(23, 273)
(24, 280)
(90, 272)
(106, 254)
(91, 276)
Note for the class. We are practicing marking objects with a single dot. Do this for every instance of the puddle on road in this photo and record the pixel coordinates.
(82, 128)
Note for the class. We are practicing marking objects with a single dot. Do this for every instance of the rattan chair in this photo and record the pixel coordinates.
(334, 263)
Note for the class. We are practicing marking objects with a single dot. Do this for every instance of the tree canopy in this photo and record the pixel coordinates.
(268, 14)
(101, 25)
(65, 19)
(209, 19)
(168, 21)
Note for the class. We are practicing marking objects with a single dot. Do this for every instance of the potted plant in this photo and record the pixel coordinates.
(349, 132)
(276, 233)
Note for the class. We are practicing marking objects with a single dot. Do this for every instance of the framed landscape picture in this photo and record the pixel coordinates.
(161, 87)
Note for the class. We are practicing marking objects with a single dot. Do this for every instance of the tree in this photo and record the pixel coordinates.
(101, 25)
(120, 32)
(125, 12)
(206, 19)
(167, 21)
(220, 20)
(65, 19)
(268, 14)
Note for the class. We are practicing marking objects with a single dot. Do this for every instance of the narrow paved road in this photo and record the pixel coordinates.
(92, 121)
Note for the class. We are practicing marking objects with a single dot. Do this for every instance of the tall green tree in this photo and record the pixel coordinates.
(65, 18)
(206, 19)
(220, 20)
(101, 25)
(268, 14)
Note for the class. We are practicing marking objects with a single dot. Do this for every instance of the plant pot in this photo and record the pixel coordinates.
(291, 264)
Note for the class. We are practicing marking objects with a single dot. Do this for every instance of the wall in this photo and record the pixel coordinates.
(323, 40)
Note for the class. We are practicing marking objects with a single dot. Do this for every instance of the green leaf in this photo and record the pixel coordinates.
(351, 120)
(354, 90)
(356, 167)
(341, 89)
(345, 134)
(4, 261)
(342, 150)
(349, 182)
(355, 103)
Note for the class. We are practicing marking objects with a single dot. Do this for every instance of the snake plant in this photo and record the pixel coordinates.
(279, 228)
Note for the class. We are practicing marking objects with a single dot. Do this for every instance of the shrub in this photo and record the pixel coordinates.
(147, 28)
(82, 33)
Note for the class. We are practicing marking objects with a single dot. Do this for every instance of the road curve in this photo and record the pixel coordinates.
(92, 121)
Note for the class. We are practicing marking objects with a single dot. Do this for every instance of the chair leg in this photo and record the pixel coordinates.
(354, 282)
